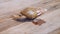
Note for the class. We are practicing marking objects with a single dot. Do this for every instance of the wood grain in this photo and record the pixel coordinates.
(9, 26)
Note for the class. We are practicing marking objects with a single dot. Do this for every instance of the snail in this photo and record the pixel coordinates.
(30, 13)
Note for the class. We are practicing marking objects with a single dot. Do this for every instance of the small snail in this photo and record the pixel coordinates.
(30, 13)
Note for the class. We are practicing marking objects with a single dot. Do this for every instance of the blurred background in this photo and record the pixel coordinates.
(12, 7)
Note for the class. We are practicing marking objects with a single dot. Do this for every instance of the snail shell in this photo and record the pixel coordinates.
(31, 13)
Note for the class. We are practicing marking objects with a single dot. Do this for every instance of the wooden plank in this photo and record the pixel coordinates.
(9, 26)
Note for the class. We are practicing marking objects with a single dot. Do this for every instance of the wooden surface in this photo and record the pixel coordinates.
(57, 31)
(9, 26)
